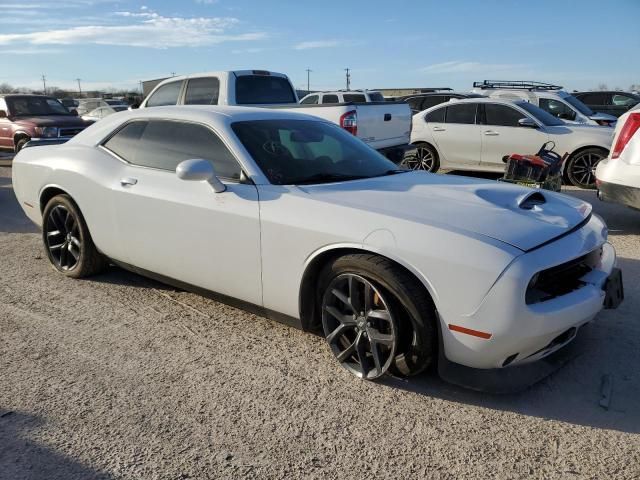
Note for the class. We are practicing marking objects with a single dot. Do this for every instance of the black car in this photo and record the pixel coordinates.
(421, 101)
(614, 103)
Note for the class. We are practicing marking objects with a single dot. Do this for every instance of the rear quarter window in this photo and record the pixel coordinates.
(435, 116)
(165, 95)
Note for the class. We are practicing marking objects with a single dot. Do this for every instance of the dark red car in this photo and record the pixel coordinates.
(26, 117)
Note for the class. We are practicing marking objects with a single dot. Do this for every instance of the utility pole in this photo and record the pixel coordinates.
(173, 74)
(79, 88)
(308, 72)
(348, 78)
(44, 84)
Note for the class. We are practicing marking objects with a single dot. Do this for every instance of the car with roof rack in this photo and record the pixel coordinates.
(26, 117)
(548, 97)
(476, 133)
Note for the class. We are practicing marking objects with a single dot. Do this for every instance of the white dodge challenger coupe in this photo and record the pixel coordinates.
(295, 218)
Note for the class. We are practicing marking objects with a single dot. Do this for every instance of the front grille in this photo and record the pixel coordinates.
(561, 279)
(70, 132)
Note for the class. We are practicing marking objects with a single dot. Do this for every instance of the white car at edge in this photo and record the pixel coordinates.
(618, 177)
(476, 133)
(294, 218)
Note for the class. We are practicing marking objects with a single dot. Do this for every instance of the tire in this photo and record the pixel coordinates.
(581, 167)
(71, 250)
(424, 157)
(21, 143)
(412, 316)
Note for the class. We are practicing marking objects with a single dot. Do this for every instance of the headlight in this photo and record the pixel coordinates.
(47, 132)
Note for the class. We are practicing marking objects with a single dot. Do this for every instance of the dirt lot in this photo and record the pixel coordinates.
(122, 377)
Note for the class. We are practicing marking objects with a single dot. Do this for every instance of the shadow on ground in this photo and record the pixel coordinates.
(22, 458)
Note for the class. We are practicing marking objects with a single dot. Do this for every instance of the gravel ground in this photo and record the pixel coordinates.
(122, 377)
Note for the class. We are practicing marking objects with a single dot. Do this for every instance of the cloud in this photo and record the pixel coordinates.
(472, 67)
(141, 29)
(206, 2)
(30, 51)
(317, 44)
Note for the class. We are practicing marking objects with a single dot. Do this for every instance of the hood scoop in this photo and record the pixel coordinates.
(531, 200)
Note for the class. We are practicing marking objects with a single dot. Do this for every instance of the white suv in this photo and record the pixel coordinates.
(342, 96)
(476, 133)
(618, 177)
(548, 97)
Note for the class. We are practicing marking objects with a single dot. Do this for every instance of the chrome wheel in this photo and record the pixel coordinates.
(63, 238)
(582, 170)
(423, 159)
(359, 326)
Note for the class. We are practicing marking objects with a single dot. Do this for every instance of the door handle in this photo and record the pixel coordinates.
(387, 117)
(438, 129)
(128, 181)
(491, 133)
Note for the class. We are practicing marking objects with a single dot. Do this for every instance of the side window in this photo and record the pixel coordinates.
(165, 95)
(415, 103)
(312, 100)
(330, 99)
(354, 97)
(435, 116)
(164, 144)
(502, 115)
(462, 113)
(594, 98)
(125, 142)
(202, 91)
(432, 101)
(617, 100)
(557, 108)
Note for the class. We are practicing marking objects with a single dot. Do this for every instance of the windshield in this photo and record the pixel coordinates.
(293, 152)
(35, 106)
(578, 105)
(263, 89)
(545, 117)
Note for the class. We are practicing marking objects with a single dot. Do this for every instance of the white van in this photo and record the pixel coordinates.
(548, 97)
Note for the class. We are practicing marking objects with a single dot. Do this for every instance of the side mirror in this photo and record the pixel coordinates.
(198, 170)
(3, 114)
(527, 122)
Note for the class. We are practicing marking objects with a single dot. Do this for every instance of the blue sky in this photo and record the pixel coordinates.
(397, 43)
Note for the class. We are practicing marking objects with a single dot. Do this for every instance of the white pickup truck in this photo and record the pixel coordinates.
(385, 126)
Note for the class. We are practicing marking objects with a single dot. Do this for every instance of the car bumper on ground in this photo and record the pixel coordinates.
(505, 331)
(616, 193)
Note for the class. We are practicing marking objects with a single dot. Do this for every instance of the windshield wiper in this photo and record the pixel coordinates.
(325, 178)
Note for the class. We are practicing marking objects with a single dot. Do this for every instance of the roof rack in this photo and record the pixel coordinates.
(516, 85)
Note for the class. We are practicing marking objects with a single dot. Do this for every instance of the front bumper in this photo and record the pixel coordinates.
(623, 194)
(517, 333)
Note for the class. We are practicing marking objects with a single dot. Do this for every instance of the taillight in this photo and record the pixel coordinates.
(349, 121)
(629, 128)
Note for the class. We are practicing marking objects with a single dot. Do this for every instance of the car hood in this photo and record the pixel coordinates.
(519, 216)
(52, 121)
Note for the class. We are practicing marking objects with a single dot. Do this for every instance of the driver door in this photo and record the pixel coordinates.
(502, 135)
(184, 230)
